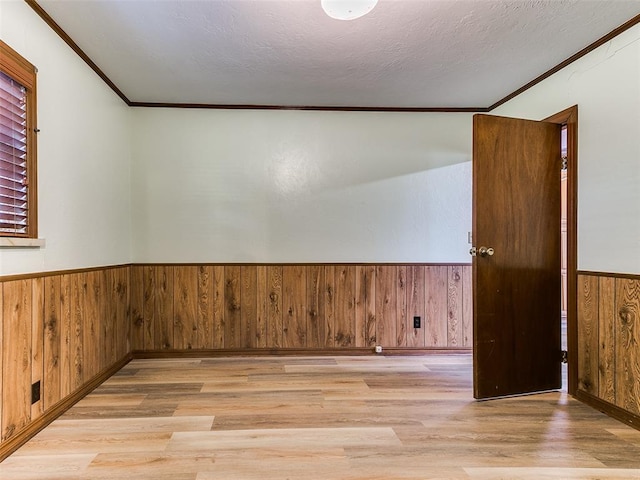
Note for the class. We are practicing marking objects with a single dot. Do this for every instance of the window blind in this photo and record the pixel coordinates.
(13, 157)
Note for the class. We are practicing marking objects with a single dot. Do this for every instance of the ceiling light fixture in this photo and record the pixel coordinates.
(347, 9)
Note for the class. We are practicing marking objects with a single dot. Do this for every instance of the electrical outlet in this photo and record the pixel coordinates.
(416, 322)
(35, 392)
(378, 349)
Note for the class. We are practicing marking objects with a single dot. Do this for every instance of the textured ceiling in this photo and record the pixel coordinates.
(405, 53)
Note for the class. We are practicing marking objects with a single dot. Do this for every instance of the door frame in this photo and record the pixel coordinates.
(569, 117)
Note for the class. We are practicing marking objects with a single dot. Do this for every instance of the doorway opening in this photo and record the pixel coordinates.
(568, 119)
(563, 250)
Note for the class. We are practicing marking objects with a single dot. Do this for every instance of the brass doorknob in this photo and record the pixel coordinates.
(485, 251)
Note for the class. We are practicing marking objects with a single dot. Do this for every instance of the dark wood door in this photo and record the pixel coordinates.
(516, 289)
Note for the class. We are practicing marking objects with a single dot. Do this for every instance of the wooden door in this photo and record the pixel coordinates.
(516, 285)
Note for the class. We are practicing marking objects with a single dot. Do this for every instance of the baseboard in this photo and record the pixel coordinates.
(257, 352)
(29, 431)
(609, 409)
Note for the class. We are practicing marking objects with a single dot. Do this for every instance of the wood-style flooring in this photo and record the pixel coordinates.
(348, 418)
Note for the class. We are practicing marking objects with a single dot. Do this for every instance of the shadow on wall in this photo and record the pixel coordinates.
(422, 216)
(298, 170)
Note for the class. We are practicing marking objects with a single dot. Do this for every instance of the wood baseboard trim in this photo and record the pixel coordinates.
(29, 431)
(609, 409)
(262, 352)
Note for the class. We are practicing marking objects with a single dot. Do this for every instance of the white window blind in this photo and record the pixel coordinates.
(13, 157)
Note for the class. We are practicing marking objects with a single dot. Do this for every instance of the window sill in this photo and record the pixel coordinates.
(12, 242)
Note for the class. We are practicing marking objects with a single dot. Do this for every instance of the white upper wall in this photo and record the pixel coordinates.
(84, 155)
(605, 85)
(296, 186)
(293, 186)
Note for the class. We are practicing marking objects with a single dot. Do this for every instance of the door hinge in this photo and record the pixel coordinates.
(565, 356)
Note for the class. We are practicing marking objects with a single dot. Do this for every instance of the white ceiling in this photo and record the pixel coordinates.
(405, 53)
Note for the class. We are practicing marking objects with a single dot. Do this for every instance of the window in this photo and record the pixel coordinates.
(18, 185)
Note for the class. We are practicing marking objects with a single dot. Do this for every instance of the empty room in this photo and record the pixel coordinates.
(322, 239)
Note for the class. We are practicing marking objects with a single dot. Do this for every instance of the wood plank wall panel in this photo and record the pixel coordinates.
(66, 356)
(185, 301)
(606, 338)
(120, 285)
(60, 330)
(401, 306)
(107, 330)
(164, 307)
(16, 356)
(329, 304)
(37, 342)
(294, 298)
(249, 307)
(262, 306)
(76, 296)
(92, 325)
(219, 305)
(370, 338)
(588, 335)
(365, 306)
(454, 307)
(52, 342)
(467, 308)
(627, 307)
(205, 305)
(136, 308)
(317, 328)
(148, 288)
(274, 307)
(232, 288)
(436, 304)
(300, 306)
(415, 305)
(609, 339)
(386, 296)
(345, 306)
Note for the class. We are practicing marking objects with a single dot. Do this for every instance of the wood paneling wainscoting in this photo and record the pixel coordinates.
(609, 344)
(69, 331)
(309, 307)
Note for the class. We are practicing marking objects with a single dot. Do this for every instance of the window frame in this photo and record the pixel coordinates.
(22, 71)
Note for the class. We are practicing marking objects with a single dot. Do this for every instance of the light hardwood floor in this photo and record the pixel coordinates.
(309, 418)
